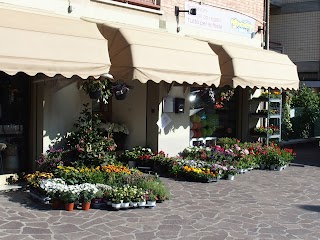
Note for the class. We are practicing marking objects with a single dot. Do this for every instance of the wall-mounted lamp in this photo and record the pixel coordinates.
(69, 7)
(260, 29)
(191, 11)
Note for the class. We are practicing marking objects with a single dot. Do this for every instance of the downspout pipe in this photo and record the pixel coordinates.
(266, 32)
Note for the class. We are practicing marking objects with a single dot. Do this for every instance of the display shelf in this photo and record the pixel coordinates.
(267, 111)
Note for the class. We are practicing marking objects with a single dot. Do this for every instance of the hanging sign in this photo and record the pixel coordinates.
(217, 19)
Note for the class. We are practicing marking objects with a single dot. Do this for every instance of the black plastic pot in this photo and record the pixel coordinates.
(95, 95)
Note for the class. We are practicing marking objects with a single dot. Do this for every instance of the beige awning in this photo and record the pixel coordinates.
(36, 42)
(254, 67)
(152, 54)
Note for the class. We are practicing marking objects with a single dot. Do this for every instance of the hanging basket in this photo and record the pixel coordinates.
(121, 96)
(95, 94)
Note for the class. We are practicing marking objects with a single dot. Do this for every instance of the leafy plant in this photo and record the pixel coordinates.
(309, 101)
(49, 160)
(93, 85)
(88, 192)
(86, 143)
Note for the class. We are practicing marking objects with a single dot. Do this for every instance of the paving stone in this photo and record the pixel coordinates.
(34, 230)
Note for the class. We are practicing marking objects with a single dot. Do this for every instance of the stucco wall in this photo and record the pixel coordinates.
(175, 136)
(132, 112)
(60, 111)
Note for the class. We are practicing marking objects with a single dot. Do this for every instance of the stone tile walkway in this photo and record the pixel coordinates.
(257, 205)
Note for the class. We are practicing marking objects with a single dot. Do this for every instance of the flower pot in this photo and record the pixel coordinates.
(151, 203)
(272, 167)
(96, 200)
(69, 206)
(121, 96)
(262, 166)
(85, 206)
(132, 164)
(116, 205)
(95, 94)
(134, 204)
(109, 203)
(55, 204)
(230, 177)
(125, 205)
(279, 168)
(141, 204)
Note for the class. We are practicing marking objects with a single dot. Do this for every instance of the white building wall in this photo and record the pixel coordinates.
(61, 109)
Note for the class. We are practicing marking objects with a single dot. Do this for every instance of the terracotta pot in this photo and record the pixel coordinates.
(55, 204)
(85, 206)
(69, 206)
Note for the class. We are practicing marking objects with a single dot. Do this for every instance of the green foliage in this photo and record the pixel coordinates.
(86, 143)
(286, 121)
(226, 142)
(309, 101)
(93, 85)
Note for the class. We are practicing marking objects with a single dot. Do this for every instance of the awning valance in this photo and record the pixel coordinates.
(36, 42)
(246, 66)
(151, 54)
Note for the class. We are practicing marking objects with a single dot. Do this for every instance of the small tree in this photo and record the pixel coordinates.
(310, 102)
(86, 143)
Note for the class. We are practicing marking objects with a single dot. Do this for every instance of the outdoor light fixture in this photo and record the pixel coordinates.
(260, 29)
(191, 11)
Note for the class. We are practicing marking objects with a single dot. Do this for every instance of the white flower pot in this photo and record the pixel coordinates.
(116, 205)
(230, 177)
(151, 203)
(279, 168)
(125, 205)
(141, 204)
(133, 204)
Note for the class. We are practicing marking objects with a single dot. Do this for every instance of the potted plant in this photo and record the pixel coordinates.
(152, 198)
(97, 88)
(53, 188)
(86, 194)
(231, 172)
(69, 195)
(117, 197)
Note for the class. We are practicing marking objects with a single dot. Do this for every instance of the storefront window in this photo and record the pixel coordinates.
(14, 109)
(212, 112)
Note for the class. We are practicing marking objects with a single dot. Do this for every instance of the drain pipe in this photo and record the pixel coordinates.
(266, 31)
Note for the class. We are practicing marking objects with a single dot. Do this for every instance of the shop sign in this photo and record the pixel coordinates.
(217, 19)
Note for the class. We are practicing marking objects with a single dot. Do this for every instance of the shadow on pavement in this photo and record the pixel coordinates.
(313, 208)
(307, 153)
(24, 199)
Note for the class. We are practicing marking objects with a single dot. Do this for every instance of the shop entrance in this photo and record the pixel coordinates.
(14, 121)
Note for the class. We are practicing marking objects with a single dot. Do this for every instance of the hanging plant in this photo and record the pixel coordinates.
(97, 88)
(120, 91)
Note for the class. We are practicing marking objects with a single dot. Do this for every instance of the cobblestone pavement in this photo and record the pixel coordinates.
(257, 205)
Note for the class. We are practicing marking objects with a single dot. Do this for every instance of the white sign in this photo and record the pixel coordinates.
(217, 19)
(163, 121)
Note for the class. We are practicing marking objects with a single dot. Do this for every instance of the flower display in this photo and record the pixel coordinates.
(51, 159)
(115, 169)
(34, 179)
(111, 127)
